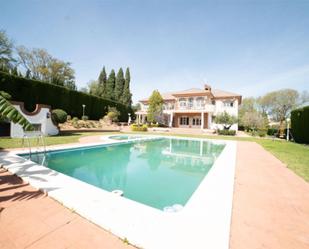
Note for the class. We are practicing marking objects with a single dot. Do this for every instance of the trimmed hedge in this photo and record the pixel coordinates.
(300, 125)
(136, 127)
(33, 92)
(59, 116)
(226, 132)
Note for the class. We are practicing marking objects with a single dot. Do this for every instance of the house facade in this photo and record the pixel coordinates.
(194, 108)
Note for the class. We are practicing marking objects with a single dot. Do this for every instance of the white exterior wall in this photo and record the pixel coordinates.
(213, 110)
(47, 126)
(220, 108)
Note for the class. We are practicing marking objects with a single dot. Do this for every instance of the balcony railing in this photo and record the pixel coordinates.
(205, 107)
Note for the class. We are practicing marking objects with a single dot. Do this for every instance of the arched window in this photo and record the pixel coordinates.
(182, 103)
(199, 102)
(190, 103)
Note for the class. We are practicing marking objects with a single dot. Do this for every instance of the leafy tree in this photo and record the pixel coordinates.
(155, 108)
(42, 66)
(28, 74)
(279, 104)
(61, 73)
(254, 121)
(247, 105)
(126, 95)
(102, 83)
(14, 71)
(226, 120)
(8, 111)
(119, 85)
(84, 90)
(7, 61)
(93, 87)
(110, 86)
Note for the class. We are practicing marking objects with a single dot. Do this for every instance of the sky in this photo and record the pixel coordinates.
(247, 47)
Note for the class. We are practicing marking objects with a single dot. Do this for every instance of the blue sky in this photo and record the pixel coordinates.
(249, 47)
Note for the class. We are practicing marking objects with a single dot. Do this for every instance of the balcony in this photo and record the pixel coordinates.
(205, 108)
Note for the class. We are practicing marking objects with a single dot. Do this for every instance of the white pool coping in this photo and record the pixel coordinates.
(204, 222)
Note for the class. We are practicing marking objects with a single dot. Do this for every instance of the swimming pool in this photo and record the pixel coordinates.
(206, 212)
(162, 173)
(124, 137)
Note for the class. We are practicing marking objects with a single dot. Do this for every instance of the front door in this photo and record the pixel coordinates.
(184, 121)
(196, 121)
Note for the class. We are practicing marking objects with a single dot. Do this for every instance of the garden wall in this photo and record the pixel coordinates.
(33, 92)
(300, 125)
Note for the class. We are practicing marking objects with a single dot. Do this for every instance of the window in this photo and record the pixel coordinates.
(184, 121)
(36, 127)
(182, 103)
(196, 121)
(228, 103)
(199, 102)
(190, 104)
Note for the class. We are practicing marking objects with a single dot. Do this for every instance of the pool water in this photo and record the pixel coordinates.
(124, 137)
(159, 173)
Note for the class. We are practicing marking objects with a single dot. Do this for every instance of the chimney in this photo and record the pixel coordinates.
(207, 87)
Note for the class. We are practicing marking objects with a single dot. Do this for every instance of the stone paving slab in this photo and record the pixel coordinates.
(271, 203)
(30, 219)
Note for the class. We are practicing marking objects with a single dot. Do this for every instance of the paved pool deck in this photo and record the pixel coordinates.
(270, 210)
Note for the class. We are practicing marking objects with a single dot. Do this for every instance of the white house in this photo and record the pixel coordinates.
(195, 108)
(40, 118)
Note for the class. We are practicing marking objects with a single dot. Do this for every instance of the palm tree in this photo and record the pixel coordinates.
(7, 110)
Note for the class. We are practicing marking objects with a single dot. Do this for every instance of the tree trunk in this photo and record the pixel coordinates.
(281, 129)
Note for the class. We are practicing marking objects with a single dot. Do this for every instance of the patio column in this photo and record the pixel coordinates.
(171, 120)
(202, 120)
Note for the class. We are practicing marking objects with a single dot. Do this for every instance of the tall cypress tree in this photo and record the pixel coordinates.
(126, 95)
(110, 86)
(119, 85)
(102, 83)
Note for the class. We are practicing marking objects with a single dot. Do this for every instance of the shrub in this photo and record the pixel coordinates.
(85, 118)
(75, 119)
(113, 114)
(226, 132)
(272, 131)
(32, 92)
(135, 127)
(59, 116)
(262, 132)
(226, 120)
(299, 124)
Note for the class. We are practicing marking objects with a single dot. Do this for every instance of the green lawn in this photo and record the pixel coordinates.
(295, 156)
(6, 143)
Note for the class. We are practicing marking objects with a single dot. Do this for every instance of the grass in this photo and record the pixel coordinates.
(66, 138)
(295, 156)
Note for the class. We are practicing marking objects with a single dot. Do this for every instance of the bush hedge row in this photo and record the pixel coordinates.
(136, 127)
(226, 132)
(300, 125)
(33, 92)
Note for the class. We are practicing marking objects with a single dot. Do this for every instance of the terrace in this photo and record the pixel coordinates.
(255, 171)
